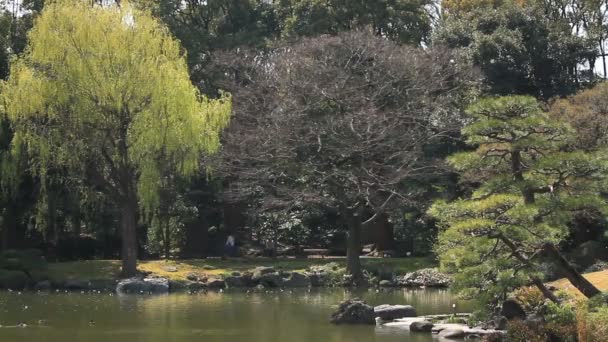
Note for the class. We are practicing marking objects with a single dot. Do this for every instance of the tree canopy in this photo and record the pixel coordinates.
(105, 92)
(530, 187)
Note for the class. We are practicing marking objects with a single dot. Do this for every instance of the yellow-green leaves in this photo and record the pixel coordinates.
(109, 86)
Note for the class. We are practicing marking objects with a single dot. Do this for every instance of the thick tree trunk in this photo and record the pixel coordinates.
(353, 247)
(582, 284)
(129, 237)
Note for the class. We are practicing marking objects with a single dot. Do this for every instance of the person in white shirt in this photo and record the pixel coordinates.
(230, 246)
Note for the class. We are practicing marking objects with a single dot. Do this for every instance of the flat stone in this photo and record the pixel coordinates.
(452, 333)
(390, 312)
(170, 269)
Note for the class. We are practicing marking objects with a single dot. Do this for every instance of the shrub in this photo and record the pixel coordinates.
(592, 319)
(530, 298)
(519, 331)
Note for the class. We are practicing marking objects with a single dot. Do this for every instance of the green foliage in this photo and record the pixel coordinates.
(530, 188)
(109, 87)
(405, 21)
(520, 48)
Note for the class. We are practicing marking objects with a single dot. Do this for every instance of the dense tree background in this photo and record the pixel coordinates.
(284, 58)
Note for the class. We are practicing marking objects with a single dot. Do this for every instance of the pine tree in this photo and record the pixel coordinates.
(531, 185)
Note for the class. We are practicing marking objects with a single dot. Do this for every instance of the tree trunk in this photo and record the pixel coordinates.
(9, 228)
(544, 290)
(129, 237)
(582, 284)
(535, 280)
(167, 239)
(353, 247)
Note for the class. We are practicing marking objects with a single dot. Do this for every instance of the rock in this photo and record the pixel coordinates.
(512, 310)
(258, 272)
(196, 286)
(236, 274)
(472, 337)
(589, 252)
(386, 283)
(102, 285)
(235, 281)
(146, 285)
(170, 269)
(421, 326)
(216, 284)
(192, 276)
(452, 333)
(297, 280)
(317, 279)
(176, 286)
(270, 280)
(44, 285)
(353, 312)
(157, 285)
(390, 312)
(76, 285)
(501, 323)
(428, 277)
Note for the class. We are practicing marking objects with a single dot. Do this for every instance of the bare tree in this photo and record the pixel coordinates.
(341, 121)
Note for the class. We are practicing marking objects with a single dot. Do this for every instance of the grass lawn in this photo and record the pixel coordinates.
(599, 279)
(109, 269)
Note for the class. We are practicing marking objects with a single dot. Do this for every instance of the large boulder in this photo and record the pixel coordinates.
(297, 280)
(216, 284)
(512, 310)
(353, 311)
(146, 285)
(318, 279)
(270, 280)
(421, 326)
(428, 277)
(390, 312)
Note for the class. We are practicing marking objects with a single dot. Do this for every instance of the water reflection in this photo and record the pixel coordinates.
(234, 316)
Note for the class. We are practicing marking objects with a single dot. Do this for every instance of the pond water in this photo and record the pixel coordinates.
(300, 316)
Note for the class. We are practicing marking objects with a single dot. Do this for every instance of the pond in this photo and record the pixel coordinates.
(296, 316)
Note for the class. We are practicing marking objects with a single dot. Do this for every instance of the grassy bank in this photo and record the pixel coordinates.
(599, 279)
(109, 269)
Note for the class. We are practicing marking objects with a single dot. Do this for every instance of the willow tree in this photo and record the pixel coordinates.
(104, 92)
(531, 185)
